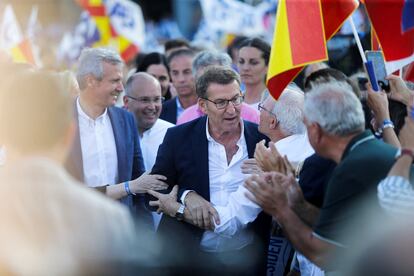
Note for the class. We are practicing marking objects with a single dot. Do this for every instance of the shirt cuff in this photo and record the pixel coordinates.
(185, 193)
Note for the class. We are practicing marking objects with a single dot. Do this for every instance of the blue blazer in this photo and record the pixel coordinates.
(130, 162)
(183, 159)
(169, 111)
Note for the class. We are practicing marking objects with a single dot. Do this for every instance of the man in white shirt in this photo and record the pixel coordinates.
(106, 148)
(282, 122)
(204, 157)
(143, 98)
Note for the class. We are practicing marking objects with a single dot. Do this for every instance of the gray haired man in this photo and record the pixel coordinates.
(335, 123)
(106, 150)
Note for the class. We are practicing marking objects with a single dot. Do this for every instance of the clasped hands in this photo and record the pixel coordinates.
(198, 211)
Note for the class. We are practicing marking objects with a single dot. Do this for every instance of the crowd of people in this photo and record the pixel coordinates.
(185, 164)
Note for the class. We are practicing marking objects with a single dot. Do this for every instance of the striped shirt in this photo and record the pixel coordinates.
(396, 195)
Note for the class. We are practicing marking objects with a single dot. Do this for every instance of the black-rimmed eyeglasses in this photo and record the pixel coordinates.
(147, 100)
(222, 103)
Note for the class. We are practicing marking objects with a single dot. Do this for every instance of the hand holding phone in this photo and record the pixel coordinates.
(378, 64)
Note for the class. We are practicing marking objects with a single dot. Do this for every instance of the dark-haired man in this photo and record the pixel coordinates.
(180, 63)
(204, 157)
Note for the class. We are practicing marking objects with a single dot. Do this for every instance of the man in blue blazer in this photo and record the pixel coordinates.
(203, 157)
(106, 150)
(180, 63)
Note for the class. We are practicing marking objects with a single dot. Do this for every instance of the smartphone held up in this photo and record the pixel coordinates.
(378, 64)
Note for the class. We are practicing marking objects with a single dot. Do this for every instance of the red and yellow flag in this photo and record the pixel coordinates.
(375, 46)
(23, 52)
(302, 29)
(108, 35)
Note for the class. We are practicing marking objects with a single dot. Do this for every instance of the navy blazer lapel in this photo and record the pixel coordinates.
(173, 112)
(251, 139)
(118, 127)
(199, 147)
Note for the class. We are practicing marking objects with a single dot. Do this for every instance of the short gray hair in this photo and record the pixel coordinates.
(289, 111)
(90, 62)
(209, 58)
(335, 108)
(215, 74)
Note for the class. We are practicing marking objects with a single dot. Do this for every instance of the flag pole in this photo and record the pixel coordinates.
(369, 68)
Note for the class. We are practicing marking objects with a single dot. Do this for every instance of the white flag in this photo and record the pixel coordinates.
(127, 20)
(10, 32)
(235, 17)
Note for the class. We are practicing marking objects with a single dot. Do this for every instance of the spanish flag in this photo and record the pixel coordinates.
(302, 29)
(12, 40)
(108, 36)
(393, 24)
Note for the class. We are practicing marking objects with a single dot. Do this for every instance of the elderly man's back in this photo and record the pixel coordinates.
(52, 224)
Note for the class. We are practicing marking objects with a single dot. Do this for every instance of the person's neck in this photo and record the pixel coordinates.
(188, 100)
(277, 136)
(90, 109)
(335, 147)
(225, 136)
(254, 92)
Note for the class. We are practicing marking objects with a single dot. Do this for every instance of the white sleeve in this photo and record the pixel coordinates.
(396, 195)
(238, 212)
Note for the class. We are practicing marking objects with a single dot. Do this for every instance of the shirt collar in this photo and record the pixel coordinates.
(85, 116)
(178, 103)
(211, 139)
(357, 140)
(148, 131)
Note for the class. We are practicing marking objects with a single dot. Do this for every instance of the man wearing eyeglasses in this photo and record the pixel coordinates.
(204, 157)
(143, 98)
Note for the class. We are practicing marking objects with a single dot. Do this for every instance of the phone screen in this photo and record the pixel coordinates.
(379, 68)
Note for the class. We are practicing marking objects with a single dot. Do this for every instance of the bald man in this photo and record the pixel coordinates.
(144, 99)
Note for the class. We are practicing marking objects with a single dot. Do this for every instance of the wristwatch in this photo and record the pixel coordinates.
(179, 215)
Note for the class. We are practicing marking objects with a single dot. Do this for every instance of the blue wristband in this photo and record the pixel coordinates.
(127, 190)
(387, 124)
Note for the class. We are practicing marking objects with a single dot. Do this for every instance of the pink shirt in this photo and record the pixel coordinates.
(248, 113)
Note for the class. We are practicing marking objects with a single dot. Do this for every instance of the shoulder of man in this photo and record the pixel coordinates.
(169, 103)
(253, 129)
(164, 124)
(190, 128)
(122, 113)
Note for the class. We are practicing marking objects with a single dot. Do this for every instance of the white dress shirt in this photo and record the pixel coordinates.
(151, 140)
(100, 161)
(239, 210)
(226, 185)
(296, 147)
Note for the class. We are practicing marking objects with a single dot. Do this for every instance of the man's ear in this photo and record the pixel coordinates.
(90, 81)
(126, 99)
(318, 132)
(202, 105)
(273, 122)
